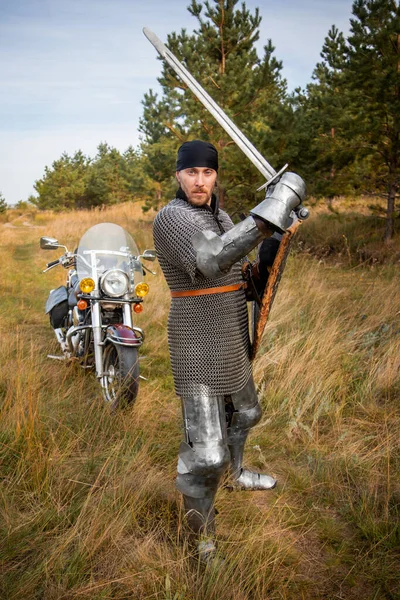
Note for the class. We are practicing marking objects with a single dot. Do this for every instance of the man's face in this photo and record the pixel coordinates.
(198, 184)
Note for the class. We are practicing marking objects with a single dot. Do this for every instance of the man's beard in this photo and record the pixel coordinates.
(201, 200)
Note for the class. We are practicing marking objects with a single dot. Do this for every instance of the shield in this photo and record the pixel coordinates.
(260, 313)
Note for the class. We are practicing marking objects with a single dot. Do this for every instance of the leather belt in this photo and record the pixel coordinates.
(222, 289)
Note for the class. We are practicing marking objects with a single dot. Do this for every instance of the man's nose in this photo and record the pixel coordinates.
(200, 180)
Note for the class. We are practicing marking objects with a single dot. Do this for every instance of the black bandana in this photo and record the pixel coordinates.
(197, 154)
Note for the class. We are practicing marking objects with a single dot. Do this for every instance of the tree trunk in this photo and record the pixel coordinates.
(221, 196)
(389, 230)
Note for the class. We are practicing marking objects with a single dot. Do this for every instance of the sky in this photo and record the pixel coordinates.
(73, 72)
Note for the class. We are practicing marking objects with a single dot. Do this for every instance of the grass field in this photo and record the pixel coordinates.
(87, 499)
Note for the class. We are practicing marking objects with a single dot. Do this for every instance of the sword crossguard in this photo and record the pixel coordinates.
(273, 178)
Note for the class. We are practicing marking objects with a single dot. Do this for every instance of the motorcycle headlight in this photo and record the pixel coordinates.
(114, 283)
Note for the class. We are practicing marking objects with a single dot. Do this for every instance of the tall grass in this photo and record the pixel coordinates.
(87, 498)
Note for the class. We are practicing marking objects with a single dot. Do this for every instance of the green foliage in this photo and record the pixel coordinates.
(3, 203)
(81, 182)
(347, 122)
(342, 134)
(106, 181)
(63, 185)
(23, 205)
(319, 116)
(373, 55)
(221, 56)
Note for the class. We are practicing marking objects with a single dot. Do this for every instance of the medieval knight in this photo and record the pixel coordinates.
(200, 251)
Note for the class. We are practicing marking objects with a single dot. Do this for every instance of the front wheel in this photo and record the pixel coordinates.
(121, 369)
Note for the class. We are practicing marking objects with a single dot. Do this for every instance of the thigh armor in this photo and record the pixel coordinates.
(204, 455)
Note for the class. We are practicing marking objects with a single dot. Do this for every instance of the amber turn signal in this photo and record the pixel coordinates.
(82, 304)
(138, 308)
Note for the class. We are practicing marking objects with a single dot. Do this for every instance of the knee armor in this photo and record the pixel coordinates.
(243, 421)
(200, 468)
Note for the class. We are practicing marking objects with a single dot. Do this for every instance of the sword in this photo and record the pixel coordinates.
(226, 123)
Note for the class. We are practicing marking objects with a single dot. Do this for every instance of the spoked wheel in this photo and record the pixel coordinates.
(121, 365)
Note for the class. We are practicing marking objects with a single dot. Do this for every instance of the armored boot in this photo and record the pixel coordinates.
(245, 479)
(243, 412)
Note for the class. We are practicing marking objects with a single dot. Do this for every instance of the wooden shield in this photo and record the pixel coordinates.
(260, 313)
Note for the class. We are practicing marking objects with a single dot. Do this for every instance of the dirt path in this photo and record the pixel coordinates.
(23, 224)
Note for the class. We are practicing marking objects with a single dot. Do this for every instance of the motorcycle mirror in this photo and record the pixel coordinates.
(149, 255)
(48, 243)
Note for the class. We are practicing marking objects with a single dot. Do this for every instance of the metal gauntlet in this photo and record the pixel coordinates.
(281, 198)
(216, 254)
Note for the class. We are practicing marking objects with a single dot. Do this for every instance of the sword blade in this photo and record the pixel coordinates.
(238, 137)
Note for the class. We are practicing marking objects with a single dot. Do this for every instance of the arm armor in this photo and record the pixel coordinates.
(216, 254)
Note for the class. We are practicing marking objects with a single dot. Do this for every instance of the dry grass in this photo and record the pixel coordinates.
(350, 232)
(87, 499)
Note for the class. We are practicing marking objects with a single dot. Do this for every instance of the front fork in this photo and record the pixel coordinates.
(127, 315)
(98, 337)
(98, 341)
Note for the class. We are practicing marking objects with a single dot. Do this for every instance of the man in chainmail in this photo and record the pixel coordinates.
(200, 252)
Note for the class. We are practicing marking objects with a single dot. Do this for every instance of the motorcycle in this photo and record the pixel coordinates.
(92, 315)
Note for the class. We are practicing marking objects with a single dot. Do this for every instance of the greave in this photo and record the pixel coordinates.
(236, 449)
(200, 514)
(243, 412)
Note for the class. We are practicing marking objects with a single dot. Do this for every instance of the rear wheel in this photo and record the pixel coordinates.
(121, 368)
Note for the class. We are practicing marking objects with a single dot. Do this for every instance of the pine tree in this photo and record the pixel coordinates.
(3, 203)
(351, 113)
(221, 56)
(63, 185)
(373, 76)
(322, 117)
(106, 181)
(82, 182)
(134, 173)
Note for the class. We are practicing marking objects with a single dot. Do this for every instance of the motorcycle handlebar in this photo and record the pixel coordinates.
(53, 263)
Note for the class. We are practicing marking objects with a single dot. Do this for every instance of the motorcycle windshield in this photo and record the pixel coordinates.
(108, 246)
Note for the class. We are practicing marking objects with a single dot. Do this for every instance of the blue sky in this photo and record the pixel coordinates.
(73, 72)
